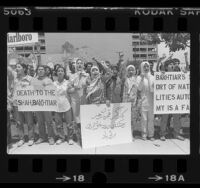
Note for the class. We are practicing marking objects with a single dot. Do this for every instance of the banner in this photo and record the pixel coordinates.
(102, 125)
(172, 93)
(30, 99)
(17, 39)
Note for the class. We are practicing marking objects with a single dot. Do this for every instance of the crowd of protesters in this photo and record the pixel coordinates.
(78, 83)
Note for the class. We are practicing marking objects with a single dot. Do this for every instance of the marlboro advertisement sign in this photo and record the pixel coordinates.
(17, 39)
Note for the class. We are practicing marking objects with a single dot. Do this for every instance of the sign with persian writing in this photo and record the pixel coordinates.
(102, 125)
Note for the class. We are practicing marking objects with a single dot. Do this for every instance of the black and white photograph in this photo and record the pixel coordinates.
(98, 93)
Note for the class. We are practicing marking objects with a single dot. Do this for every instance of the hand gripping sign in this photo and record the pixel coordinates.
(31, 99)
(172, 93)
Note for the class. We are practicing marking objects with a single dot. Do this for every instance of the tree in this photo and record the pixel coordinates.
(68, 48)
(175, 42)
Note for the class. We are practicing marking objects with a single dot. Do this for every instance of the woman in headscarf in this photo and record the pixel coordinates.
(130, 93)
(76, 89)
(146, 87)
(95, 89)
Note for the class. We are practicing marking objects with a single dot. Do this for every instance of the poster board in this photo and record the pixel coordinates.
(30, 99)
(102, 125)
(172, 93)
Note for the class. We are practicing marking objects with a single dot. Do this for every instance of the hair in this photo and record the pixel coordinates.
(108, 62)
(39, 67)
(24, 66)
(56, 66)
(50, 72)
(176, 60)
(115, 67)
(71, 68)
(166, 64)
(88, 63)
(65, 75)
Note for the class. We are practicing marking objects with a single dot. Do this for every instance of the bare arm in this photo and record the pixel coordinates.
(186, 61)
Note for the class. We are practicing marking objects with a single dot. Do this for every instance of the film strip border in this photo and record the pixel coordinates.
(171, 169)
(96, 170)
(102, 19)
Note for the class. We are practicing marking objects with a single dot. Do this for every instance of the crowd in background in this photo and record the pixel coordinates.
(94, 82)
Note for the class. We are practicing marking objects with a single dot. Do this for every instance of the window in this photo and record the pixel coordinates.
(42, 47)
(42, 41)
(135, 36)
(19, 48)
(135, 43)
(143, 49)
(152, 56)
(135, 49)
(152, 49)
(143, 43)
(28, 48)
(143, 55)
(135, 55)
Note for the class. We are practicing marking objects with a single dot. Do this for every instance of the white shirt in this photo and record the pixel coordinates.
(63, 102)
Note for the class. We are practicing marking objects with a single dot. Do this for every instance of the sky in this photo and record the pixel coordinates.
(103, 46)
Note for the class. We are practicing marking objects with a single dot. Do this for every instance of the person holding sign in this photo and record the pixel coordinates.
(130, 93)
(64, 107)
(39, 83)
(170, 67)
(146, 87)
(76, 90)
(23, 118)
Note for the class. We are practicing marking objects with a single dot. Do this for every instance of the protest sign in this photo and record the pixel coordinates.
(172, 93)
(102, 125)
(17, 39)
(30, 99)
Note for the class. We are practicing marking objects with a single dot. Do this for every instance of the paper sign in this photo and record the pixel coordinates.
(102, 125)
(31, 99)
(172, 93)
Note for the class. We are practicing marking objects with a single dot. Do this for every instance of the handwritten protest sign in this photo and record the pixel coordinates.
(172, 93)
(31, 99)
(102, 125)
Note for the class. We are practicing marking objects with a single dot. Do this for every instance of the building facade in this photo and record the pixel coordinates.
(143, 50)
(26, 50)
